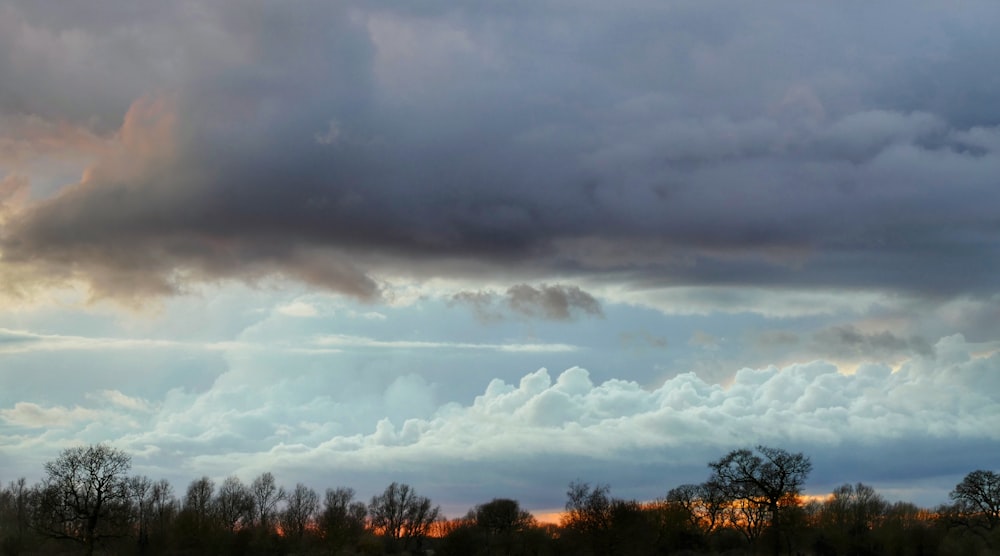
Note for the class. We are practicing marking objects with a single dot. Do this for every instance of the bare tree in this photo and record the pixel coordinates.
(162, 507)
(588, 509)
(195, 518)
(15, 518)
(703, 504)
(139, 488)
(85, 496)
(300, 511)
(266, 496)
(234, 504)
(602, 525)
(747, 516)
(419, 518)
(503, 524)
(502, 516)
(853, 508)
(977, 503)
(400, 514)
(979, 493)
(198, 502)
(388, 510)
(343, 519)
(850, 516)
(769, 480)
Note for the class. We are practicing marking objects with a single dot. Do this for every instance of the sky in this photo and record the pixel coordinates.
(489, 248)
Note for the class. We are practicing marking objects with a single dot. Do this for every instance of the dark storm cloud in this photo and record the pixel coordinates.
(657, 143)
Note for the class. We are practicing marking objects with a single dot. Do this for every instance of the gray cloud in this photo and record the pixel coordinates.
(777, 338)
(845, 343)
(849, 341)
(557, 302)
(551, 302)
(482, 303)
(704, 340)
(709, 145)
(641, 340)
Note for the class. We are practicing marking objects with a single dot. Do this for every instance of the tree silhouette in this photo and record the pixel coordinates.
(501, 522)
(197, 509)
(266, 495)
(761, 484)
(163, 508)
(751, 497)
(401, 515)
(15, 519)
(600, 524)
(977, 503)
(342, 521)
(979, 494)
(234, 504)
(702, 504)
(588, 509)
(85, 496)
(139, 488)
(300, 510)
(502, 516)
(850, 516)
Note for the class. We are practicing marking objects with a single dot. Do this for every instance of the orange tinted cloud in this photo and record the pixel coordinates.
(146, 135)
(26, 138)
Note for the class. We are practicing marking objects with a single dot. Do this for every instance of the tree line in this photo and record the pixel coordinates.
(751, 503)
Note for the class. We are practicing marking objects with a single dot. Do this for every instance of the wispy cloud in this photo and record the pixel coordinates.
(346, 341)
(298, 309)
(123, 401)
(20, 341)
(31, 415)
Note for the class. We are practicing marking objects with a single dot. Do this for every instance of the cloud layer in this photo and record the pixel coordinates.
(340, 145)
(855, 427)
